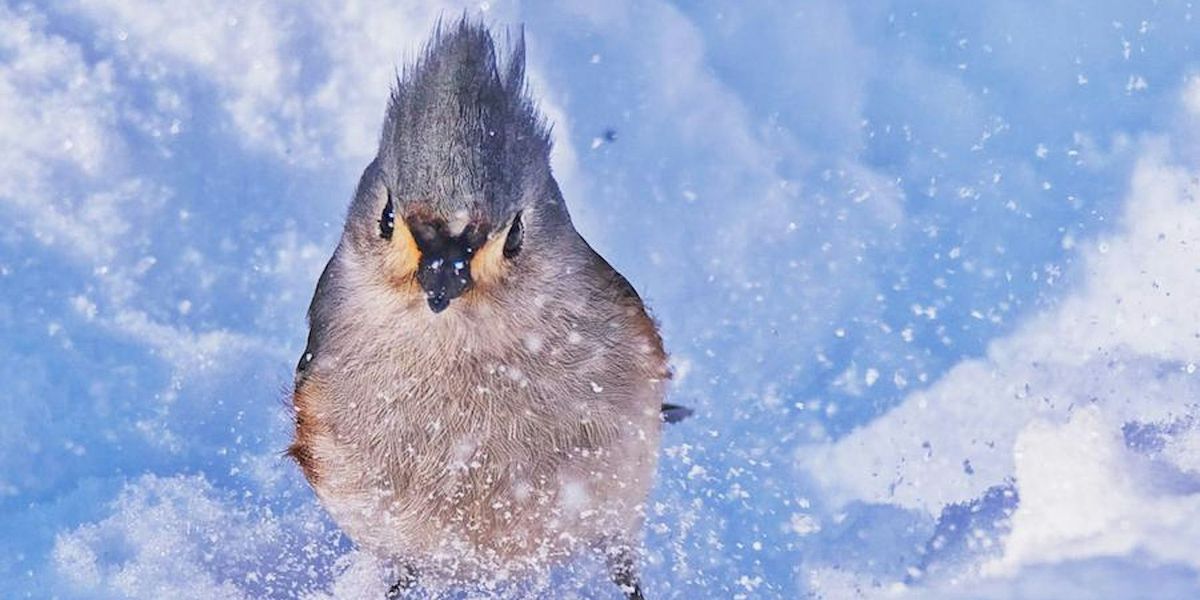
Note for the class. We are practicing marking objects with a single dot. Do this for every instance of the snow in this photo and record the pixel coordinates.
(1060, 465)
(927, 273)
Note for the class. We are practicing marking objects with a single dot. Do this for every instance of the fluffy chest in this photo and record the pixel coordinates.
(416, 444)
(473, 416)
(493, 427)
(421, 402)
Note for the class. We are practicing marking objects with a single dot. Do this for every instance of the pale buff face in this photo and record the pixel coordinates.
(486, 262)
(423, 256)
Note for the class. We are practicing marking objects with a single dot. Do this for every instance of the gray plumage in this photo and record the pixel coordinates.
(480, 394)
(461, 125)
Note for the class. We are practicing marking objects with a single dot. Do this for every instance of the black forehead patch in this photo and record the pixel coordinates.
(433, 237)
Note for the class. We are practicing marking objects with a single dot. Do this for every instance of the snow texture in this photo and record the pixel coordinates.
(927, 272)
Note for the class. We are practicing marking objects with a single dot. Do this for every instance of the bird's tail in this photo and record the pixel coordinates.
(674, 413)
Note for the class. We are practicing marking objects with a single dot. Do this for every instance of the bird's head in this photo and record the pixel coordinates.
(462, 182)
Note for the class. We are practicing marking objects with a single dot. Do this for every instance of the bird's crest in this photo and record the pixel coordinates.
(460, 125)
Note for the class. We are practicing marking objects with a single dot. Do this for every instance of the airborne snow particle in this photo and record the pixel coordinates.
(803, 524)
(871, 377)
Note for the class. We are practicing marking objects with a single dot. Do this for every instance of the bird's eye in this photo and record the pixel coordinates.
(387, 221)
(516, 234)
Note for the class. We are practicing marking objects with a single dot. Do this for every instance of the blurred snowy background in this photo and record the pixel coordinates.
(929, 272)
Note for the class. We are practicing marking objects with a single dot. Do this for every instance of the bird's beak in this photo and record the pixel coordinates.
(444, 269)
(444, 275)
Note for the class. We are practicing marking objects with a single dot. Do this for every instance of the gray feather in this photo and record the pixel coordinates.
(461, 133)
(674, 413)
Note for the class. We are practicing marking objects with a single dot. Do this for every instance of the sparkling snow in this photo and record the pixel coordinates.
(928, 274)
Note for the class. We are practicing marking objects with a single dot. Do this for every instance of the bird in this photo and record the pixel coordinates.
(481, 395)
